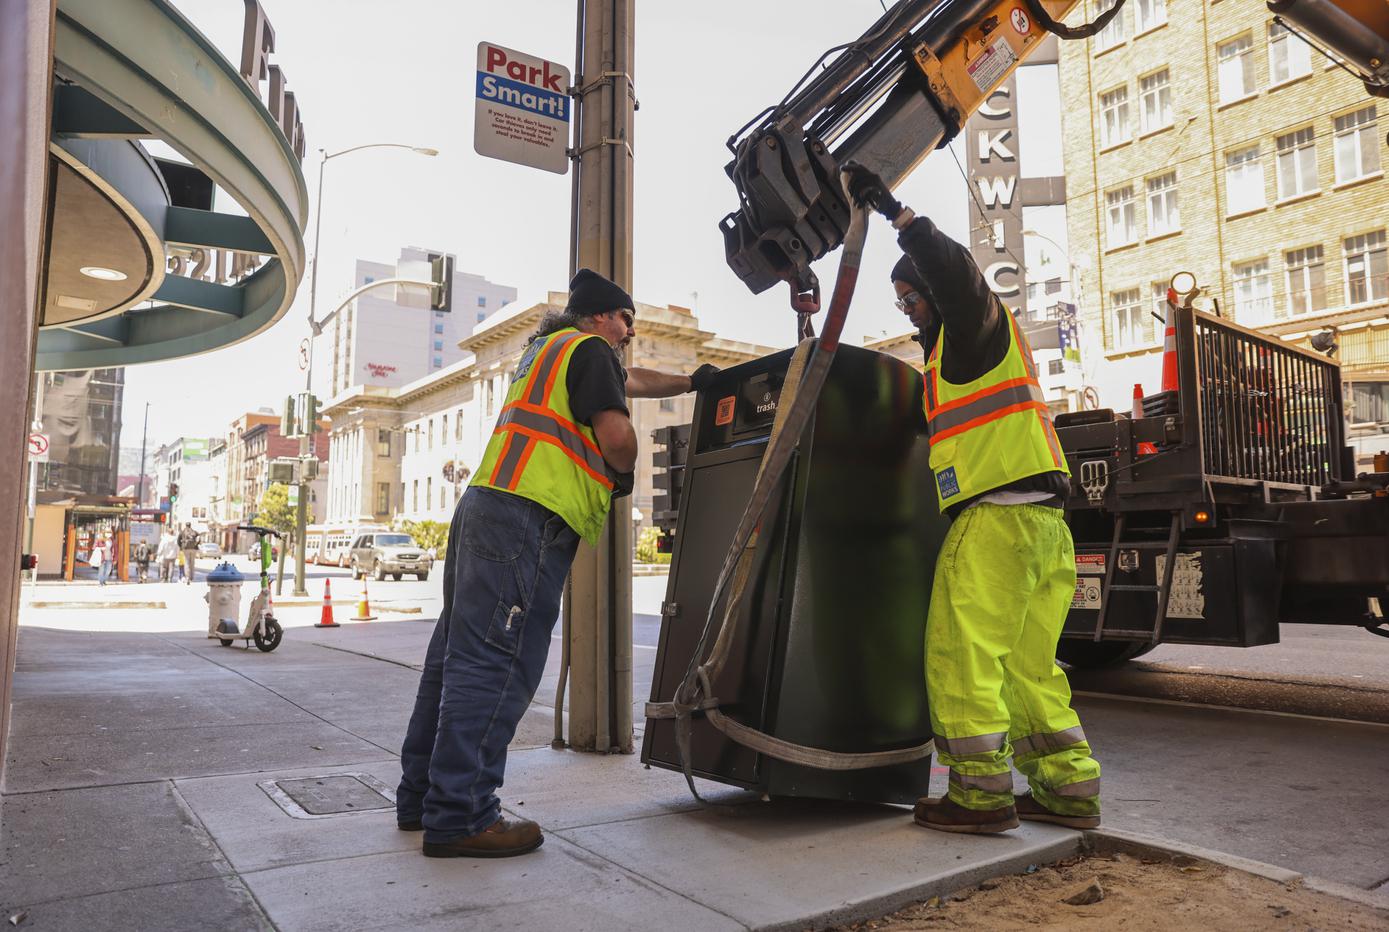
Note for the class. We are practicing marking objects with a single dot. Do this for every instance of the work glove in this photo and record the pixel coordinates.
(701, 377)
(867, 189)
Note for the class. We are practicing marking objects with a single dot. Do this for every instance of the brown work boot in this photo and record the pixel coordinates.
(945, 815)
(504, 838)
(1030, 810)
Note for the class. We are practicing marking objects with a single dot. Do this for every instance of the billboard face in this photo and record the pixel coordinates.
(194, 451)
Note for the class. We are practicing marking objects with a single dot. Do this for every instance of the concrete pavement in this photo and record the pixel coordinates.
(152, 781)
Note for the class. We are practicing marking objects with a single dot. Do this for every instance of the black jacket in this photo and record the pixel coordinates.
(976, 332)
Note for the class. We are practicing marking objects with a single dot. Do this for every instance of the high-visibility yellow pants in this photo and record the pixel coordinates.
(1004, 582)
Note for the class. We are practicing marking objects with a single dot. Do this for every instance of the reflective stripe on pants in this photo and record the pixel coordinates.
(1004, 581)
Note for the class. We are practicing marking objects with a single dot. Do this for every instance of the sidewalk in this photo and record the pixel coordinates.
(136, 797)
(160, 781)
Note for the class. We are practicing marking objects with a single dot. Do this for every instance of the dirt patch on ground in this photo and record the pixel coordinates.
(1120, 891)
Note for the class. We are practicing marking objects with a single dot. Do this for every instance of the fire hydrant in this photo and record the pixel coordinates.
(223, 602)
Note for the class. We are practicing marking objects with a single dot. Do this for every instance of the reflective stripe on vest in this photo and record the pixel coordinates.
(1000, 447)
(538, 451)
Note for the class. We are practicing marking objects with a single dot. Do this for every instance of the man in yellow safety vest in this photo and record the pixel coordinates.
(1005, 575)
(562, 449)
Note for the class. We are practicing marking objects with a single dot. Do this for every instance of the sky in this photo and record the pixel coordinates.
(405, 72)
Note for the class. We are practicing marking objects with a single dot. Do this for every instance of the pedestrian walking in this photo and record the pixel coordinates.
(188, 547)
(101, 559)
(166, 554)
(143, 554)
(561, 450)
(1006, 572)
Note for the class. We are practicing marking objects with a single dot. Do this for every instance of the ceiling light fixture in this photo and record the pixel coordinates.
(106, 275)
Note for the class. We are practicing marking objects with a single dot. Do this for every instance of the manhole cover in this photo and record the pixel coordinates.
(329, 795)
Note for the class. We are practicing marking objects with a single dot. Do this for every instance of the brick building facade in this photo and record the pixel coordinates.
(1204, 137)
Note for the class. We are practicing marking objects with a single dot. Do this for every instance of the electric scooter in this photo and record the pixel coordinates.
(261, 625)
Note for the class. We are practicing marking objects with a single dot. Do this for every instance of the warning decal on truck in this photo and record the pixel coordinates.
(1087, 594)
(1090, 564)
(1186, 599)
(992, 66)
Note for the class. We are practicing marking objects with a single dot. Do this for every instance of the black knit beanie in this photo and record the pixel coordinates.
(591, 293)
(905, 271)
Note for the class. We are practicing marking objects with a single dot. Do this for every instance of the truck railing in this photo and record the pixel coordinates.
(1267, 410)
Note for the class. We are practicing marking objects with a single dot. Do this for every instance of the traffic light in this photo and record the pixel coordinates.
(441, 274)
(173, 492)
(308, 418)
(287, 424)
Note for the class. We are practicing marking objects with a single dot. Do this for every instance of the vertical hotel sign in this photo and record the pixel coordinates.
(522, 110)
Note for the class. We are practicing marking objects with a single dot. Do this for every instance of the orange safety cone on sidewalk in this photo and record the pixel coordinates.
(325, 620)
(1145, 448)
(364, 604)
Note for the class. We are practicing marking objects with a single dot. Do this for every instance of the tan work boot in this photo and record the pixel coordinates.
(945, 815)
(1032, 811)
(504, 838)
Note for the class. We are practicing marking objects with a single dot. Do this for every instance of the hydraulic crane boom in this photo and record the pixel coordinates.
(904, 88)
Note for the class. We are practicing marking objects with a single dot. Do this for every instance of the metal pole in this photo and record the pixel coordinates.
(598, 604)
(144, 437)
(301, 510)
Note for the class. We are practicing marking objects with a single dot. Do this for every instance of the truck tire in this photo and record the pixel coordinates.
(396, 576)
(1081, 654)
(378, 571)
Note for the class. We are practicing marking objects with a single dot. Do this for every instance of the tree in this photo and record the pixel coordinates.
(275, 511)
(431, 535)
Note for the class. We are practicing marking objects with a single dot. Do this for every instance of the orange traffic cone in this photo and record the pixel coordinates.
(364, 605)
(1169, 345)
(1145, 448)
(325, 620)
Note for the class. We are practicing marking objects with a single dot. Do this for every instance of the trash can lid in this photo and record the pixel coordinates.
(225, 573)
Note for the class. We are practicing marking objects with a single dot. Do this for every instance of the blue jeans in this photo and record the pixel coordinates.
(503, 579)
(103, 572)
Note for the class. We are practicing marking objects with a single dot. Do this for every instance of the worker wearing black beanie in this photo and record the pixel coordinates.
(591, 293)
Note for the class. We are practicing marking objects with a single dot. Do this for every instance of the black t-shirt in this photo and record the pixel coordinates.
(597, 382)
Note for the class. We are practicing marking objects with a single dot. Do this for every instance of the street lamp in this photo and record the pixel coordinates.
(306, 438)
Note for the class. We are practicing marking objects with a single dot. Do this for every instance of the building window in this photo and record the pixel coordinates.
(1126, 318)
(1244, 181)
(1367, 268)
(383, 498)
(438, 362)
(383, 442)
(1357, 149)
(458, 425)
(1253, 293)
(481, 318)
(667, 404)
(431, 434)
(1297, 162)
(1114, 33)
(481, 300)
(443, 496)
(1056, 366)
(438, 327)
(438, 345)
(428, 493)
(1114, 117)
(1155, 101)
(1121, 226)
(444, 429)
(1236, 74)
(1162, 205)
(417, 431)
(1149, 15)
(1158, 290)
(1288, 56)
(1306, 280)
(415, 495)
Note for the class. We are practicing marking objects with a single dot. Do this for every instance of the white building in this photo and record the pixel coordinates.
(185, 465)
(390, 337)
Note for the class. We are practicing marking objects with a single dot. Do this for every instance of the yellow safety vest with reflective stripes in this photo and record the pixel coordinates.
(992, 431)
(539, 451)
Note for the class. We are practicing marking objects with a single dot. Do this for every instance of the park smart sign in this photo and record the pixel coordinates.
(522, 112)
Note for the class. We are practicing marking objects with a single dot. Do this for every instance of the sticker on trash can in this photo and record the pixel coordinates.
(1090, 564)
(1087, 594)
(724, 414)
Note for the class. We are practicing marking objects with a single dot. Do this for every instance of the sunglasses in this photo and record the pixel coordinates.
(910, 299)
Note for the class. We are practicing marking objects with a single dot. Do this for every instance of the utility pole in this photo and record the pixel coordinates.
(144, 436)
(598, 596)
